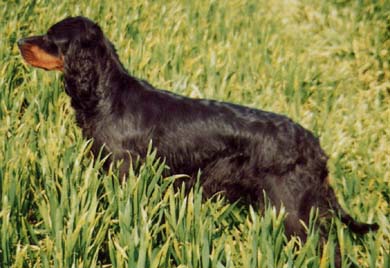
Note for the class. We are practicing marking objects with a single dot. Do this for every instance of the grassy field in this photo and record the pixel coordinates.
(326, 64)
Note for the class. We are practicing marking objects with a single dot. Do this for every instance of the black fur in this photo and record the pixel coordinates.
(240, 151)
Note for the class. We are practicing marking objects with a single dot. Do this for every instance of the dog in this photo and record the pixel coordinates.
(241, 152)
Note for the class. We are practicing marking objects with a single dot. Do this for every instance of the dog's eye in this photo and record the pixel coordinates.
(49, 45)
(53, 48)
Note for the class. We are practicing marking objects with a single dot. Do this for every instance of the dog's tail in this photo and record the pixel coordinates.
(353, 225)
(358, 227)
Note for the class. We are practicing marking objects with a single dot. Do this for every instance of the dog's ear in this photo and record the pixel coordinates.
(81, 66)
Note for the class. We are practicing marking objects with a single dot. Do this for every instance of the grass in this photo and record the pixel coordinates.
(323, 63)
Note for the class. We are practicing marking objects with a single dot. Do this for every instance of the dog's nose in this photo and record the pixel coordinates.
(21, 42)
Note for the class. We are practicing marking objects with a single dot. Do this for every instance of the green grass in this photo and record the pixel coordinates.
(323, 63)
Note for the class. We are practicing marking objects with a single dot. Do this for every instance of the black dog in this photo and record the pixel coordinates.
(240, 151)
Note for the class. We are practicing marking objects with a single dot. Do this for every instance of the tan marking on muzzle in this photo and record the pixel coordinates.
(37, 57)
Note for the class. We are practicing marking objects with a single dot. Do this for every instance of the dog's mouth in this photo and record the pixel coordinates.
(37, 56)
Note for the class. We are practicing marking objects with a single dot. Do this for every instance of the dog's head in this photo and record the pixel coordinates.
(64, 39)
